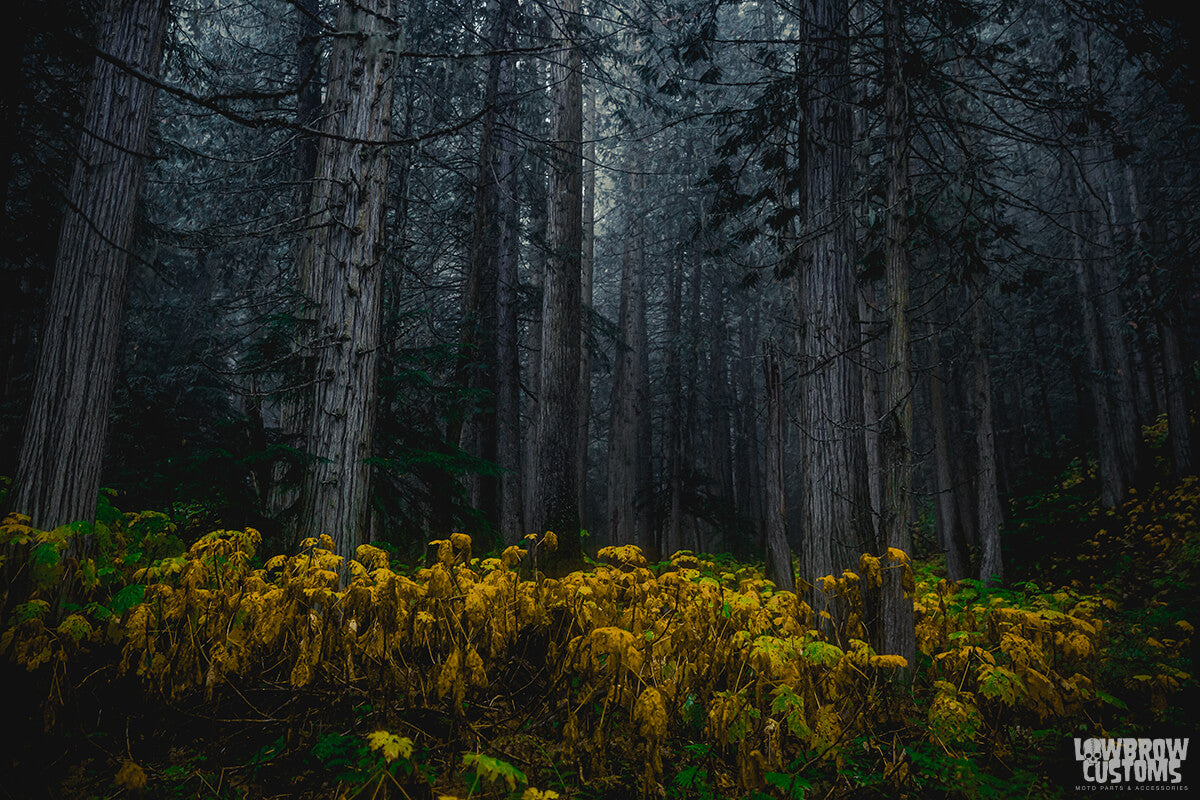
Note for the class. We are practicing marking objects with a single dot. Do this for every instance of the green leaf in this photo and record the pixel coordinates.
(494, 770)
(791, 785)
(128, 597)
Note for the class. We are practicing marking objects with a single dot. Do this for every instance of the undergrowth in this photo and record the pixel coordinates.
(313, 675)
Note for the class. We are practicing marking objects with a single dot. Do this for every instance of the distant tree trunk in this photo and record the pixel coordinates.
(991, 567)
(344, 251)
(557, 428)
(489, 361)
(627, 408)
(836, 513)
(691, 405)
(748, 480)
(872, 415)
(508, 358)
(719, 398)
(1116, 474)
(284, 489)
(1118, 432)
(1166, 318)
(537, 279)
(673, 418)
(899, 634)
(587, 279)
(779, 554)
(644, 457)
(951, 535)
(58, 474)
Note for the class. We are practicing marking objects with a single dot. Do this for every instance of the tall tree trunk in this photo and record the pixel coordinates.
(58, 475)
(779, 554)
(691, 405)
(344, 251)
(557, 428)
(748, 480)
(488, 362)
(627, 410)
(991, 566)
(673, 422)
(1116, 474)
(835, 511)
(1118, 431)
(719, 399)
(1166, 318)
(284, 490)
(587, 282)
(508, 358)
(951, 535)
(899, 634)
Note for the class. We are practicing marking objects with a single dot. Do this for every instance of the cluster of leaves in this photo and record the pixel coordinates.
(697, 663)
(58, 596)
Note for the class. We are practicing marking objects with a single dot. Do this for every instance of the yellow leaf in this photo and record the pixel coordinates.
(391, 745)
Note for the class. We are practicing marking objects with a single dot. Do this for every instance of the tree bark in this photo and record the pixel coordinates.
(344, 252)
(557, 426)
(899, 634)
(836, 513)
(58, 474)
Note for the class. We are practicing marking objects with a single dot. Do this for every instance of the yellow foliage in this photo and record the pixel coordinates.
(131, 777)
(650, 714)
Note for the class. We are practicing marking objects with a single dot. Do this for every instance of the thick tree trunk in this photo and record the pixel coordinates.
(58, 475)
(557, 428)
(779, 554)
(899, 634)
(344, 252)
(835, 511)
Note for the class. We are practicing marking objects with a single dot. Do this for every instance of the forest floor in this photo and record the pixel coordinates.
(213, 672)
